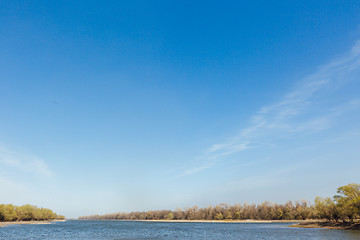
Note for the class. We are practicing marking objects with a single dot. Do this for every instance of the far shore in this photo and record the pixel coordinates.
(5, 224)
(205, 221)
(225, 221)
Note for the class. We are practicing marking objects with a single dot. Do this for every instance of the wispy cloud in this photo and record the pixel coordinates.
(292, 113)
(12, 192)
(24, 162)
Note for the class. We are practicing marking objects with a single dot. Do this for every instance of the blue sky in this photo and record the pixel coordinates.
(139, 105)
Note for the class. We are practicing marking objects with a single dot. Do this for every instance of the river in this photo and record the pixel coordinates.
(121, 230)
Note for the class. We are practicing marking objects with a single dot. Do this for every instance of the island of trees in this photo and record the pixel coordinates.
(11, 213)
(344, 207)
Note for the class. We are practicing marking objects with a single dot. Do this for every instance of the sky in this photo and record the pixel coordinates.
(118, 106)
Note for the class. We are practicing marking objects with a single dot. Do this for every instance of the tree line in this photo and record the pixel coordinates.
(10, 213)
(344, 206)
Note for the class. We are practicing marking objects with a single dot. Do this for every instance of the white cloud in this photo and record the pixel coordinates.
(10, 191)
(291, 114)
(24, 162)
(193, 170)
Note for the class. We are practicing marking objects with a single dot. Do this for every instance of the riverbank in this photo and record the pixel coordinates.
(204, 221)
(5, 224)
(329, 225)
(223, 221)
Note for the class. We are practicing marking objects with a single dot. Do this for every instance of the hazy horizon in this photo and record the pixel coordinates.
(135, 106)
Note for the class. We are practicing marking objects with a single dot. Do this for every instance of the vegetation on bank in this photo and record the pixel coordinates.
(344, 206)
(10, 213)
(354, 225)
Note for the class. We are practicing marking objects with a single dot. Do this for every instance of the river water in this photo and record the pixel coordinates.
(121, 230)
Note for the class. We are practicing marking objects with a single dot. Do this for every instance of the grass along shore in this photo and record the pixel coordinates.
(355, 225)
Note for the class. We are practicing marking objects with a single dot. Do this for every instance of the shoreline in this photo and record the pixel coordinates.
(5, 224)
(204, 221)
(329, 225)
(223, 221)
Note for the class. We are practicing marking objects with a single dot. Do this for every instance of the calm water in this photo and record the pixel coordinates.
(152, 230)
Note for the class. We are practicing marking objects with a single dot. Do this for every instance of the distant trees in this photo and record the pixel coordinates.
(9, 213)
(264, 211)
(344, 206)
